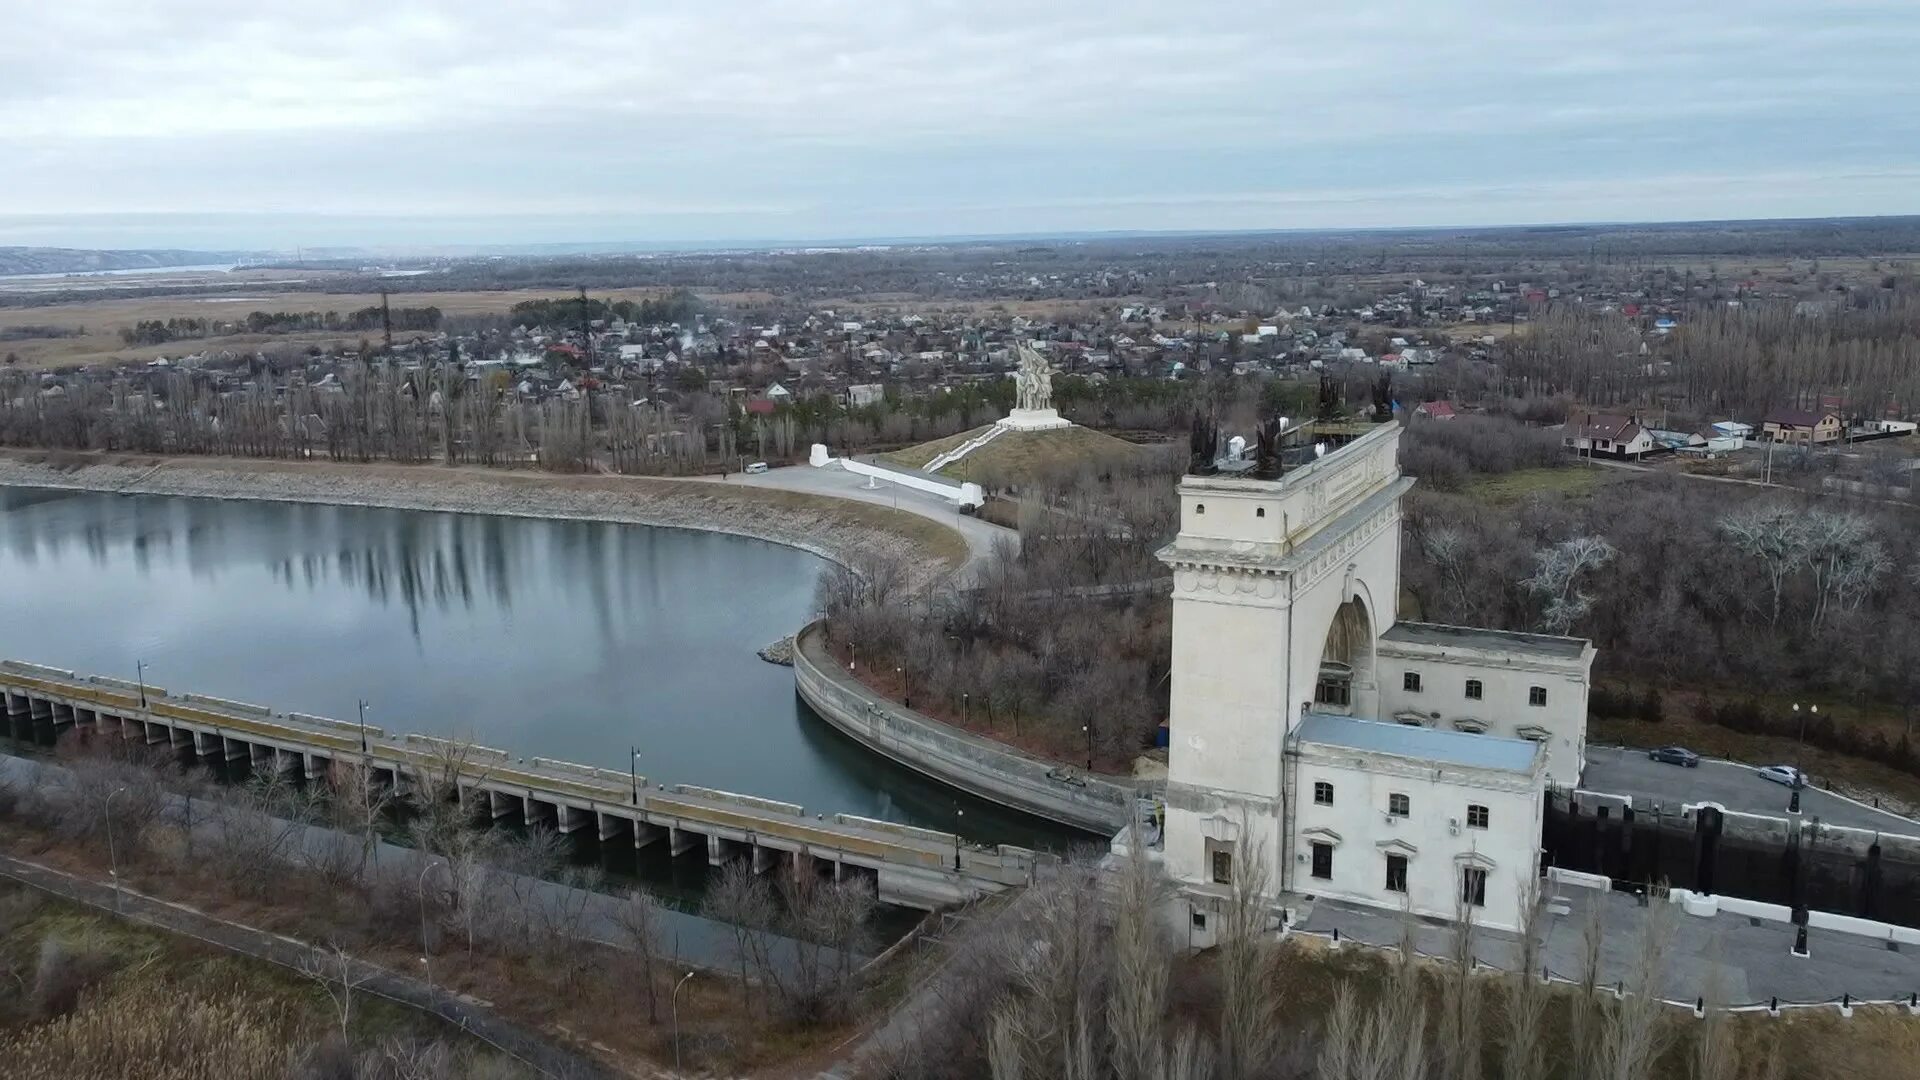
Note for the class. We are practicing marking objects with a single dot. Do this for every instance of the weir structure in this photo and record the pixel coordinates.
(908, 866)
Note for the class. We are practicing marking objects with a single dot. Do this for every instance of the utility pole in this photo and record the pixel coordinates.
(386, 321)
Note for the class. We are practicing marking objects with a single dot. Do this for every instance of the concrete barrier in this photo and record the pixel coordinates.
(973, 764)
(962, 494)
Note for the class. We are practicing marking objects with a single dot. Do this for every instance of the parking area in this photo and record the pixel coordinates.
(1617, 771)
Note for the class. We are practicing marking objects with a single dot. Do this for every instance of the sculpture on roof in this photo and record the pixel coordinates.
(1033, 379)
(1266, 459)
(1204, 444)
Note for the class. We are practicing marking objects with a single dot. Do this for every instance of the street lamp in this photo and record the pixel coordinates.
(633, 772)
(1800, 756)
(113, 860)
(1088, 732)
(140, 674)
(674, 1001)
(421, 891)
(363, 727)
(958, 814)
(906, 692)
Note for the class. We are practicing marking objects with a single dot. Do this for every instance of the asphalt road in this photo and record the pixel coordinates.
(1736, 787)
(981, 536)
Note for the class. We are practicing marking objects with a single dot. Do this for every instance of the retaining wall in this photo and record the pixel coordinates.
(978, 766)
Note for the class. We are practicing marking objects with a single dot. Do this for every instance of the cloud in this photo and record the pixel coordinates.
(838, 117)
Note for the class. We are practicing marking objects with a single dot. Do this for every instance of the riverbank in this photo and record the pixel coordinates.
(843, 530)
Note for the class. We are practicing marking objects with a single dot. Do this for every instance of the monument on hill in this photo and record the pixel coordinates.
(1033, 406)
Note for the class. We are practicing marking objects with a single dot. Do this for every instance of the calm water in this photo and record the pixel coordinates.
(563, 639)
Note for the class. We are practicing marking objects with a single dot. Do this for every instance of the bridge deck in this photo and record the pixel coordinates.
(726, 815)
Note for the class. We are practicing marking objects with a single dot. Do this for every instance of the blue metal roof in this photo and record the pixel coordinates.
(1419, 743)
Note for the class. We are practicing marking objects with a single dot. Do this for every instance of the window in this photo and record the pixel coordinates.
(1259, 511)
(1473, 690)
(1220, 859)
(1199, 920)
(1199, 508)
(1410, 682)
(1398, 805)
(1323, 861)
(1397, 873)
(1333, 690)
(1537, 695)
(1476, 816)
(1322, 793)
(1473, 886)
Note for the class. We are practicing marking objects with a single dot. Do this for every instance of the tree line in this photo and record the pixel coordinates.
(157, 331)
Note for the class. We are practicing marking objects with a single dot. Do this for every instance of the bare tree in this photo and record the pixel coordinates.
(638, 918)
(338, 975)
(1142, 964)
(1557, 577)
(1528, 994)
(1248, 1027)
(1631, 1036)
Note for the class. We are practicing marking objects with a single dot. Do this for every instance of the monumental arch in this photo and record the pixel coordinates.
(1354, 756)
(1281, 589)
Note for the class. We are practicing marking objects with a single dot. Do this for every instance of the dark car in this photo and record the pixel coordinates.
(1675, 755)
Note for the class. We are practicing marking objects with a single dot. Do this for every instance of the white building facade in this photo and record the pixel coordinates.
(1287, 671)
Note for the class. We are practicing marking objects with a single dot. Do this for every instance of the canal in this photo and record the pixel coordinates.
(563, 639)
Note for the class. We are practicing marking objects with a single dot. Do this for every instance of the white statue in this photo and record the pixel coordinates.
(1033, 379)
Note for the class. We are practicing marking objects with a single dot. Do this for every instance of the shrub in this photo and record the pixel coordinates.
(64, 971)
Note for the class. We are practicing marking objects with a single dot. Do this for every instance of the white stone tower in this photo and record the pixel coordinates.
(1281, 588)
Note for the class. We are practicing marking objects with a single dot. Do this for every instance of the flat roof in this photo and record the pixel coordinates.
(1419, 743)
(1473, 637)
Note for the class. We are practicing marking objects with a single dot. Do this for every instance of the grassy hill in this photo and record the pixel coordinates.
(1020, 455)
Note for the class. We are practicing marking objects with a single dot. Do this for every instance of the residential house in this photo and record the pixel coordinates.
(1606, 435)
(1435, 410)
(1802, 426)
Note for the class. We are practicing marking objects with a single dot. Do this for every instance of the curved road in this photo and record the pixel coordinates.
(835, 482)
(1616, 771)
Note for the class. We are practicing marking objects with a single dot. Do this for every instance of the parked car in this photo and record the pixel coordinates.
(1675, 755)
(757, 467)
(1785, 774)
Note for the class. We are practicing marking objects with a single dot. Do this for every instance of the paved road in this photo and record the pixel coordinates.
(1751, 958)
(981, 536)
(1736, 787)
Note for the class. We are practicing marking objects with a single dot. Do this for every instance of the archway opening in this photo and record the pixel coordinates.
(1346, 661)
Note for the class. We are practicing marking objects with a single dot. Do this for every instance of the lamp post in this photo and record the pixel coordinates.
(958, 815)
(113, 860)
(1800, 755)
(906, 692)
(140, 675)
(674, 1001)
(633, 772)
(363, 727)
(1088, 732)
(421, 891)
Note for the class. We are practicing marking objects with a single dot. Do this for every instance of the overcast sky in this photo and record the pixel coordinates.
(260, 124)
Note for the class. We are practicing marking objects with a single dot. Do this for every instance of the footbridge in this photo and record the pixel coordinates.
(909, 866)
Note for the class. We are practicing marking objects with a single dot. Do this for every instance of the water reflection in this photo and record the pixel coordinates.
(564, 639)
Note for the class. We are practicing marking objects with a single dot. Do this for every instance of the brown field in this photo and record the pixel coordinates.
(102, 320)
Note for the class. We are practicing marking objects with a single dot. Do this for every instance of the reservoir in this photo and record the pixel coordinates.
(562, 639)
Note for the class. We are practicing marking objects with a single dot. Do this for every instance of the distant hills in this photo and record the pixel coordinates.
(47, 260)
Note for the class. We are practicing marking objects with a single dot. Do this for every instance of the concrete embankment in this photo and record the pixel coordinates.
(976, 765)
(839, 529)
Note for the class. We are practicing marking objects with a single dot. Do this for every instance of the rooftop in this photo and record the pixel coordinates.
(1420, 743)
(1474, 637)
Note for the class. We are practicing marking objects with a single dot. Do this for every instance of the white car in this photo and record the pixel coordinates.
(1784, 774)
(757, 467)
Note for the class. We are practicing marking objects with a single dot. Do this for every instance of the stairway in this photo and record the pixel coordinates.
(964, 449)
